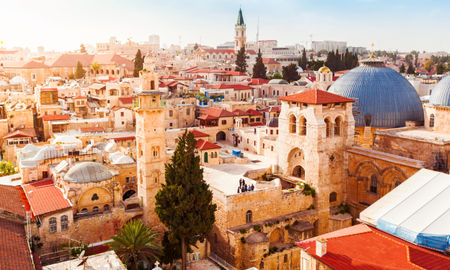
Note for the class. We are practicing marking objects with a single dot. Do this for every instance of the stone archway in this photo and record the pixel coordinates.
(128, 194)
(276, 237)
(298, 171)
(221, 136)
(295, 158)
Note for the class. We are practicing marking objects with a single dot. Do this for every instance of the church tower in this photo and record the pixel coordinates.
(239, 38)
(315, 129)
(150, 139)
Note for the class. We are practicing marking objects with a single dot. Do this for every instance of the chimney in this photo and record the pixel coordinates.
(321, 246)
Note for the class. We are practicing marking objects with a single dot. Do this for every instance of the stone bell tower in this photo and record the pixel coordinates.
(148, 77)
(315, 129)
(150, 139)
(239, 38)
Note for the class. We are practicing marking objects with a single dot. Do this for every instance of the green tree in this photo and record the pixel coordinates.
(171, 250)
(259, 69)
(428, 65)
(290, 73)
(411, 69)
(136, 243)
(276, 75)
(184, 203)
(79, 72)
(315, 64)
(241, 62)
(95, 67)
(402, 69)
(82, 49)
(138, 63)
(440, 68)
(303, 61)
(7, 168)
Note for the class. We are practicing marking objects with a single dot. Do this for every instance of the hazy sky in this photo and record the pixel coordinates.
(390, 24)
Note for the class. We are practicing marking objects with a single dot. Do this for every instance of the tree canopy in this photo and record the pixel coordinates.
(241, 62)
(184, 203)
(138, 63)
(290, 73)
(402, 68)
(79, 72)
(136, 243)
(7, 168)
(411, 69)
(337, 61)
(276, 75)
(259, 69)
(303, 61)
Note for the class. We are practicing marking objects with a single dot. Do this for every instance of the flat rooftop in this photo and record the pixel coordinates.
(225, 177)
(416, 133)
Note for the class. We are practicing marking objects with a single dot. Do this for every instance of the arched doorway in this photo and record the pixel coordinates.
(299, 172)
(128, 194)
(220, 136)
(276, 237)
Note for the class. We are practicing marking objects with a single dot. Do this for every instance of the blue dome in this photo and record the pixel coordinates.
(440, 96)
(380, 92)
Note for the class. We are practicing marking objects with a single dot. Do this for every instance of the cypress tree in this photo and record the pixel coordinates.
(411, 69)
(402, 68)
(259, 69)
(303, 62)
(79, 72)
(138, 63)
(184, 203)
(241, 63)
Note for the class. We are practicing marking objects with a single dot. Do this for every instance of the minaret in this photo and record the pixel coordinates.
(239, 39)
(150, 139)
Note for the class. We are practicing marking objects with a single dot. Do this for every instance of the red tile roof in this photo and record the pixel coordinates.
(316, 97)
(216, 112)
(124, 138)
(44, 197)
(126, 100)
(270, 61)
(235, 73)
(238, 112)
(14, 250)
(207, 117)
(28, 132)
(258, 81)
(35, 64)
(253, 112)
(256, 124)
(235, 87)
(11, 201)
(56, 117)
(206, 145)
(197, 134)
(220, 51)
(80, 97)
(364, 247)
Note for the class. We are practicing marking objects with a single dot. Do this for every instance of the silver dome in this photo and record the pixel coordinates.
(84, 172)
(440, 96)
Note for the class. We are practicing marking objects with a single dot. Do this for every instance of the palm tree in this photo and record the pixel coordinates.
(136, 243)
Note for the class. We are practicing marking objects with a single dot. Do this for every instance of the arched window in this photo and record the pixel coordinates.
(431, 120)
(333, 196)
(337, 126)
(52, 224)
(292, 124)
(328, 127)
(94, 197)
(205, 158)
(249, 217)
(95, 209)
(84, 210)
(64, 223)
(152, 85)
(106, 207)
(373, 183)
(302, 126)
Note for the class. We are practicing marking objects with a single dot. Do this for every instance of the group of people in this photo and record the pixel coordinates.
(243, 187)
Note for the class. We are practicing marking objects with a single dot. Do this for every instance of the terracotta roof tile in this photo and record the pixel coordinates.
(14, 251)
(124, 138)
(197, 134)
(126, 100)
(11, 201)
(235, 87)
(28, 132)
(270, 61)
(364, 247)
(216, 112)
(316, 97)
(206, 145)
(35, 64)
(253, 112)
(44, 197)
(258, 81)
(238, 112)
(56, 117)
